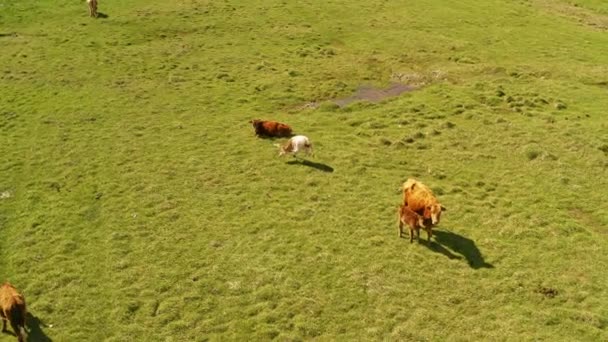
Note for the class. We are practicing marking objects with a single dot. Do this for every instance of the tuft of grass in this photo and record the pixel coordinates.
(385, 142)
(328, 106)
(532, 154)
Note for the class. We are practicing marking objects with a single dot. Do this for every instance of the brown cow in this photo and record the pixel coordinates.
(271, 128)
(419, 198)
(12, 309)
(414, 221)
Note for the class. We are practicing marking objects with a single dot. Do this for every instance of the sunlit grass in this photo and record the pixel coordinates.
(137, 204)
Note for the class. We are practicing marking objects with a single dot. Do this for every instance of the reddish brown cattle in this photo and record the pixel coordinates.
(413, 221)
(419, 198)
(12, 309)
(271, 128)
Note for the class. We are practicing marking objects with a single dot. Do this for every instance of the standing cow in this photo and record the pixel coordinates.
(295, 145)
(414, 221)
(92, 8)
(12, 309)
(419, 198)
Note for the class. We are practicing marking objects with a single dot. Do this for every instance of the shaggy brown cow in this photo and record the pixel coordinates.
(414, 221)
(92, 8)
(271, 128)
(12, 309)
(419, 198)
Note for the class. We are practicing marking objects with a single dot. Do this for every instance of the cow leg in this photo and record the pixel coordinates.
(3, 325)
(400, 229)
(18, 331)
(429, 234)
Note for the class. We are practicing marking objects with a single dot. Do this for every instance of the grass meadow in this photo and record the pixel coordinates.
(137, 204)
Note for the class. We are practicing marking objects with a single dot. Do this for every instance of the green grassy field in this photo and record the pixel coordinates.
(137, 204)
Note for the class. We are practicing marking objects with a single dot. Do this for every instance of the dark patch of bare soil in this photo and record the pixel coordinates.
(372, 94)
(366, 93)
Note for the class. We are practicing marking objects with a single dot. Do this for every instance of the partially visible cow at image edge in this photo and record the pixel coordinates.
(13, 310)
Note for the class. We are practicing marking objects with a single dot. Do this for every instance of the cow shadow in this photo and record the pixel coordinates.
(274, 137)
(34, 326)
(314, 165)
(101, 15)
(463, 246)
(276, 140)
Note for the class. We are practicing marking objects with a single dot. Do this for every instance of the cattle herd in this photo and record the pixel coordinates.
(420, 209)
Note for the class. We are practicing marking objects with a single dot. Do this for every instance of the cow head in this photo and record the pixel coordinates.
(433, 211)
(255, 122)
(282, 149)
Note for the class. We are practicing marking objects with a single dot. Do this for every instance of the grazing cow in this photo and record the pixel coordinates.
(12, 309)
(414, 222)
(92, 8)
(295, 145)
(419, 198)
(271, 128)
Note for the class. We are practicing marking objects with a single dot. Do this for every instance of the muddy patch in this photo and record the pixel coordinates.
(367, 93)
(374, 95)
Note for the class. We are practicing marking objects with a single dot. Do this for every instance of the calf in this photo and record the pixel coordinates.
(92, 8)
(295, 145)
(414, 222)
(12, 309)
(271, 128)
